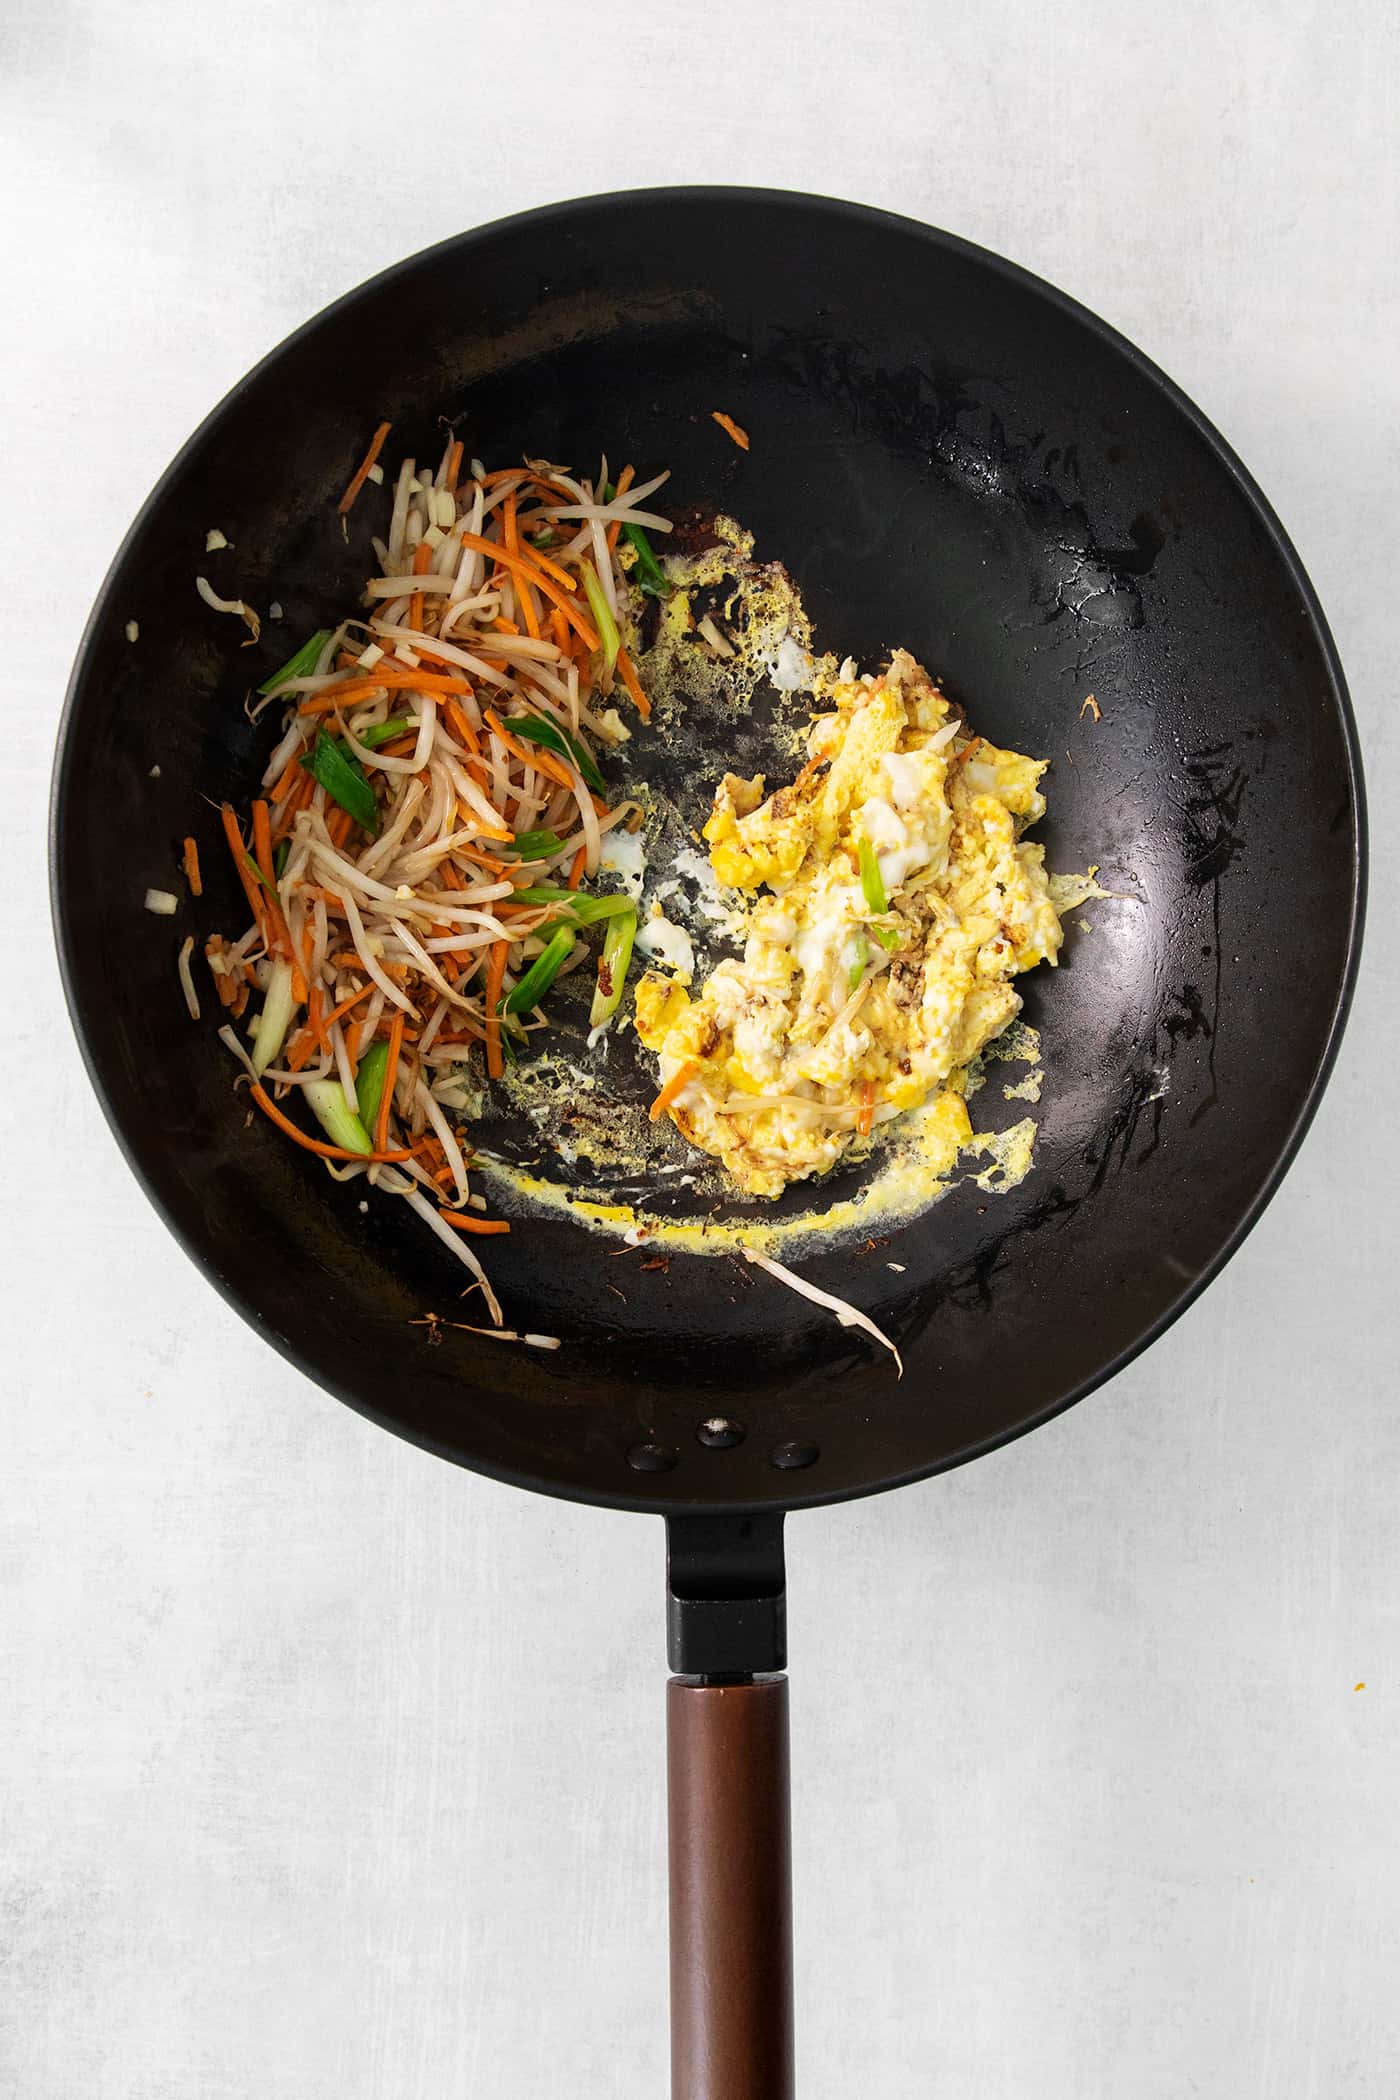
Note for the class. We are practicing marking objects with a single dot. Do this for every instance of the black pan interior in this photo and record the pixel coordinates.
(947, 455)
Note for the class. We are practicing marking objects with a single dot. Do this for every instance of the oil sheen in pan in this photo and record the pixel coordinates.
(572, 1134)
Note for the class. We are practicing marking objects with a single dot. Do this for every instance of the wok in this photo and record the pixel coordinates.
(948, 455)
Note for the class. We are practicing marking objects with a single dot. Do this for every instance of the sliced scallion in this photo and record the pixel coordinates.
(534, 845)
(872, 883)
(301, 665)
(612, 967)
(541, 974)
(276, 1017)
(536, 730)
(647, 572)
(327, 1102)
(602, 613)
(369, 1082)
(860, 957)
(384, 732)
(342, 776)
(586, 910)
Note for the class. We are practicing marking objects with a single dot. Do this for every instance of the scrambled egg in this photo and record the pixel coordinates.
(902, 900)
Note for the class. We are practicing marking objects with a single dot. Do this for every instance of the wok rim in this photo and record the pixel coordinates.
(937, 238)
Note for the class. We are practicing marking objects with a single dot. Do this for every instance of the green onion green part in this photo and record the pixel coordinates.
(856, 970)
(369, 1082)
(534, 845)
(384, 732)
(256, 872)
(301, 665)
(538, 731)
(871, 880)
(541, 974)
(327, 1102)
(342, 776)
(279, 858)
(612, 967)
(647, 572)
(586, 910)
(872, 883)
(602, 613)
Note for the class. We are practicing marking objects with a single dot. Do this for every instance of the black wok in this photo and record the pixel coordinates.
(948, 455)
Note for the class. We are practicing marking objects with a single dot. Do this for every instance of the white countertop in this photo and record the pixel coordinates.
(328, 1772)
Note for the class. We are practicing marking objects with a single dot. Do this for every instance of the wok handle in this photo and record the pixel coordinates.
(731, 1889)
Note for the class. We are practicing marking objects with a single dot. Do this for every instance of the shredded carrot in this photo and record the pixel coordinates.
(624, 482)
(467, 1223)
(252, 890)
(298, 799)
(270, 1108)
(633, 685)
(338, 1013)
(375, 681)
(677, 1083)
(300, 1048)
(287, 778)
(495, 978)
(391, 1073)
(462, 723)
(454, 467)
(523, 591)
(731, 429)
(543, 761)
(866, 1115)
(559, 630)
(361, 473)
(486, 860)
(190, 862)
(422, 561)
(537, 576)
(262, 843)
(338, 826)
(315, 1020)
(576, 871)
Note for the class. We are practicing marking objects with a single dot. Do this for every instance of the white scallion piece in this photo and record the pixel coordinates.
(847, 1315)
(164, 903)
(133, 632)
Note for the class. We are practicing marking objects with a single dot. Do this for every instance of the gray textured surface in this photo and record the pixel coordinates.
(327, 1773)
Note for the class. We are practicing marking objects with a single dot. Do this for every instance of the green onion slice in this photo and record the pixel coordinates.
(369, 1082)
(301, 665)
(612, 967)
(534, 845)
(586, 910)
(647, 572)
(602, 613)
(342, 776)
(326, 1099)
(541, 974)
(537, 730)
(384, 732)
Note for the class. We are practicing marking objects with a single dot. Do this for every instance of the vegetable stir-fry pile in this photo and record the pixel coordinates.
(415, 864)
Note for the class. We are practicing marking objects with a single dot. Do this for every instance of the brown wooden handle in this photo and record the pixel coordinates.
(731, 1890)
